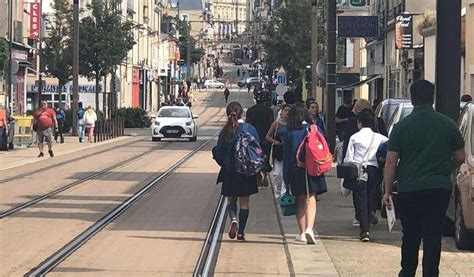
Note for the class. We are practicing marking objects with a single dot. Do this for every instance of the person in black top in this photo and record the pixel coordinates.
(342, 117)
(261, 117)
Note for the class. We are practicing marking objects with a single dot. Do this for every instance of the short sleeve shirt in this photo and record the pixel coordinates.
(44, 118)
(425, 142)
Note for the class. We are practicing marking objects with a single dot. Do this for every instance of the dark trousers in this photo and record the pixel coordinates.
(59, 132)
(363, 200)
(422, 214)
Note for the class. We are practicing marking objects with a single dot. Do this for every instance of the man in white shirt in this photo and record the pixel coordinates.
(362, 149)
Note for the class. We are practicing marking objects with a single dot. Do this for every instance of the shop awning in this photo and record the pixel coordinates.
(361, 82)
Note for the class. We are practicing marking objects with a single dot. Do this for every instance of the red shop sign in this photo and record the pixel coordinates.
(35, 20)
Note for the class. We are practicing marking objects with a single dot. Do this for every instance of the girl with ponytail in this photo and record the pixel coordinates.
(235, 186)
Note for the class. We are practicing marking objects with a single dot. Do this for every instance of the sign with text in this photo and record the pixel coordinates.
(35, 21)
(404, 31)
(358, 26)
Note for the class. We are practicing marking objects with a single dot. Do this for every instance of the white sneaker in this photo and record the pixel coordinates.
(355, 223)
(301, 238)
(310, 237)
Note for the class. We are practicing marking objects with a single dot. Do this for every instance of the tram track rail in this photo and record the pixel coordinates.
(210, 250)
(46, 168)
(55, 259)
(107, 170)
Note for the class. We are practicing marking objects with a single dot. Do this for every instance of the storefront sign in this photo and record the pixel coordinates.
(358, 26)
(404, 31)
(20, 55)
(48, 88)
(35, 20)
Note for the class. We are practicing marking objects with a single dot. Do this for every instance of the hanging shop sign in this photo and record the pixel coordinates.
(404, 31)
(358, 26)
(35, 20)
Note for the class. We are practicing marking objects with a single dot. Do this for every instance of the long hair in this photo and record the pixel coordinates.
(234, 112)
(297, 114)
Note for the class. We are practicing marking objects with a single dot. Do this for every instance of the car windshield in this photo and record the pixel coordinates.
(174, 113)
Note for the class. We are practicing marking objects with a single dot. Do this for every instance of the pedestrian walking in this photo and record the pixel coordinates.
(81, 125)
(235, 186)
(423, 149)
(261, 117)
(276, 135)
(61, 118)
(362, 150)
(3, 129)
(44, 120)
(90, 117)
(342, 117)
(313, 109)
(351, 129)
(238, 72)
(226, 94)
(243, 72)
(296, 177)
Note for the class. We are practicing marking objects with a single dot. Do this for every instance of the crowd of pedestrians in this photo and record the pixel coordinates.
(423, 169)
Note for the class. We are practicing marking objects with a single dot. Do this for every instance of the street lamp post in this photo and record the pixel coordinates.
(75, 64)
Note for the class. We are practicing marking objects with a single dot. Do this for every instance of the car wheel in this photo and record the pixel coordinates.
(193, 138)
(461, 235)
(155, 139)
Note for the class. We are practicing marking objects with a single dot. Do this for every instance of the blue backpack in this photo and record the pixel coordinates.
(249, 158)
(60, 115)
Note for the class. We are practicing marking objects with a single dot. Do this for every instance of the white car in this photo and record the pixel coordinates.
(213, 84)
(174, 122)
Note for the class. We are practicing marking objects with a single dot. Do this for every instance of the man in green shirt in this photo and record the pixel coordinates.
(423, 149)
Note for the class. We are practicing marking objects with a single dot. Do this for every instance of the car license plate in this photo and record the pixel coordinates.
(172, 131)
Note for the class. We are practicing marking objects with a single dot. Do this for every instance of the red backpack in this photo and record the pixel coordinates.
(315, 152)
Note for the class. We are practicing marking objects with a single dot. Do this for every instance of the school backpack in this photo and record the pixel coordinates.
(249, 158)
(313, 153)
(80, 114)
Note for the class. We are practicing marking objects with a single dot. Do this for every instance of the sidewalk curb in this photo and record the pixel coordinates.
(303, 259)
(66, 152)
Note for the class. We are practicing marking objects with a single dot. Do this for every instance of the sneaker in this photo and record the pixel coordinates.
(374, 219)
(301, 238)
(356, 223)
(309, 234)
(51, 153)
(233, 229)
(40, 155)
(241, 237)
(364, 237)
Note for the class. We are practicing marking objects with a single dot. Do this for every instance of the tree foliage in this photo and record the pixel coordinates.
(184, 38)
(3, 55)
(57, 49)
(287, 36)
(105, 40)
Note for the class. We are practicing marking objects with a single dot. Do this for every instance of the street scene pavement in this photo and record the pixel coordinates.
(353, 87)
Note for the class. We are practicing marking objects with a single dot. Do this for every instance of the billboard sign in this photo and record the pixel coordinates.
(358, 26)
(404, 31)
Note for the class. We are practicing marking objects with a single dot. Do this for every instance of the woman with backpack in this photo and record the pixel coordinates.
(313, 109)
(275, 135)
(297, 178)
(90, 117)
(235, 185)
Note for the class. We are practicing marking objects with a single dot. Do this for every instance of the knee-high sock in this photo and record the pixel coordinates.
(232, 210)
(243, 216)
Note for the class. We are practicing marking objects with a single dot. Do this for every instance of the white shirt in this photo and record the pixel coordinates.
(359, 143)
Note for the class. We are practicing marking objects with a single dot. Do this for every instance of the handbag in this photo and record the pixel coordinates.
(277, 150)
(288, 203)
(354, 174)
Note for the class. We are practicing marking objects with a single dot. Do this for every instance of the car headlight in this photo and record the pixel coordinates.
(189, 123)
(157, 123)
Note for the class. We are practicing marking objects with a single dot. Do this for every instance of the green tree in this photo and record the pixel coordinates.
(57, 50)
(3, 55)
(185, 39)
(105, 42)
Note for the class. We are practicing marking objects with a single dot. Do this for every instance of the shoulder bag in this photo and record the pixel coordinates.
(277, 150)
(288, 203)
(355, 174)
(35, 125)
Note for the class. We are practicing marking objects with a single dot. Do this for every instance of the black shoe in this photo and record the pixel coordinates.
(51, 153)
(364, 237)
(40, 155)
(80, 140)
(62, 141)
(241, 237)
